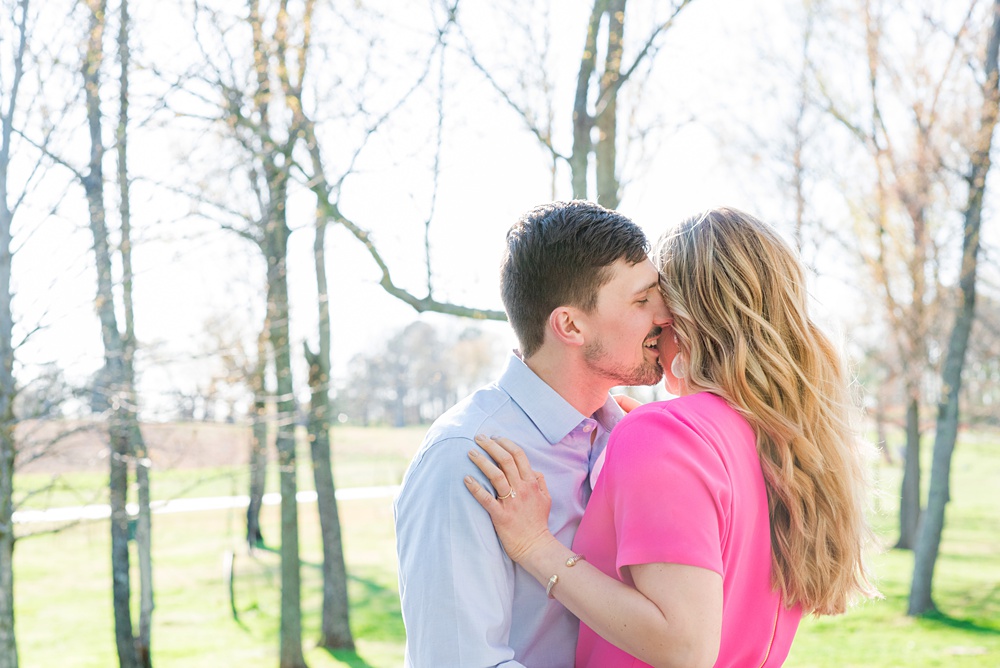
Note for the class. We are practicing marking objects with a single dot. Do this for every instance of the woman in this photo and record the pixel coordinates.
(719, 517)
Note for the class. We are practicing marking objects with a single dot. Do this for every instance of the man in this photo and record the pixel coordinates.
(583, 300)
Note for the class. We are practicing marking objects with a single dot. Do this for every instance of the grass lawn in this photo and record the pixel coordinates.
(63, 588)
(63, 592)
(966, 630)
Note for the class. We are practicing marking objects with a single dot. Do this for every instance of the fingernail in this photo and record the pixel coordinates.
(473, 453)
(479, 437)
(468, 480)
(493, 438)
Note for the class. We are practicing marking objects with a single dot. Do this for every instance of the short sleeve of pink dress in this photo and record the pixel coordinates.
(682, 484)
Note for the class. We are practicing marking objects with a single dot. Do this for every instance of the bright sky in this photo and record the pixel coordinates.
(491, 171)
(710, 82)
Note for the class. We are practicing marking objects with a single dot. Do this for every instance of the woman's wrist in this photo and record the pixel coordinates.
(545, 560)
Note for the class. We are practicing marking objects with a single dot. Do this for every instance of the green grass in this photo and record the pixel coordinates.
(966, 629)
(63, 593)
(63, 598)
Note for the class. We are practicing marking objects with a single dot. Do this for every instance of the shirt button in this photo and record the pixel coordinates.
(587, 428)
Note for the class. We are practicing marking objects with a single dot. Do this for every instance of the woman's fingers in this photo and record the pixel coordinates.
(485, 499)
(502, 457)
(520, 503)
(519, 457)
(497, 478)
(626, 402)
(507, 467)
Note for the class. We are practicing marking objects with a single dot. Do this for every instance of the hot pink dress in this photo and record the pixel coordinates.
(682, 484)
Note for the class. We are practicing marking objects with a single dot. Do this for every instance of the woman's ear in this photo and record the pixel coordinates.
(564, 326)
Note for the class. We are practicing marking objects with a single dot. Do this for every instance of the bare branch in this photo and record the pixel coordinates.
(371, 129)
(436, 174)
(419, 304)
(955, 48)
(319, 185)
(7, 120)
(648, 49)
(543, 136)
(50, 155)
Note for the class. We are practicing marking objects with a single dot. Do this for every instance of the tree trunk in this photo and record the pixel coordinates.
(274, 244)
(951, 377)
(277, 306)
(8, 643)
(93, 184)
(583, 144)
(291, 606)
(144, 547)
(606, 155)
(909, 498)
(336, 629)
(139, 454)
(121, 587)
(8, 446)
(258, 443)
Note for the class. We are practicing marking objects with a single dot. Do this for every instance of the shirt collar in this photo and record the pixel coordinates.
(551, 414)
(609, 414)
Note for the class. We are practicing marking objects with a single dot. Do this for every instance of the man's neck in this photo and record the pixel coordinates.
(571, 380)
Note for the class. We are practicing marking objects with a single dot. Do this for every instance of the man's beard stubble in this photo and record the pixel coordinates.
(645, 373)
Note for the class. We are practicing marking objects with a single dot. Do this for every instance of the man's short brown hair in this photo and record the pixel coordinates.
(558, 254)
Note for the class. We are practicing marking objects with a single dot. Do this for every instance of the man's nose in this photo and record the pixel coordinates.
(661, 314)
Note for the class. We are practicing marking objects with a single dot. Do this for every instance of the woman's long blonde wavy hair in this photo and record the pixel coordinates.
(738, 298)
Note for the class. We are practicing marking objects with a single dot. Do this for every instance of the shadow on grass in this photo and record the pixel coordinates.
(944, 619)
(375, 611)
(348, 657)
(277, 552)
(374, 602)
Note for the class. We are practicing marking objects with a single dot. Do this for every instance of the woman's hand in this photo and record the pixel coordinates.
(625, 402)
(520, 510)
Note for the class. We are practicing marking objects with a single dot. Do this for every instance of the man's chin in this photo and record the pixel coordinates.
(645, 376)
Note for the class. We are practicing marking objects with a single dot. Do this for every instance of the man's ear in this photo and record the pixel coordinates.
(565, 327)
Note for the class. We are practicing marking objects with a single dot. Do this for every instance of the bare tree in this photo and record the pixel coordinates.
(905, 127)
(8, 446)
(951, 374)
(122, 425)
(274, 158)
(118, 373)
(335, 630)
(139, 455)
(596, 97)
(252, 114)
(595, 109)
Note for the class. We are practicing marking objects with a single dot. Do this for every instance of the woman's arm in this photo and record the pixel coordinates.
(672, 618)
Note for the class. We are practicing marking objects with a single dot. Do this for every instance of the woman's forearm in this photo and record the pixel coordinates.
(661, 631)
(673, 615)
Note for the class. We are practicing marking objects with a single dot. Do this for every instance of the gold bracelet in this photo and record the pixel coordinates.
(570, 563)
(552, 583)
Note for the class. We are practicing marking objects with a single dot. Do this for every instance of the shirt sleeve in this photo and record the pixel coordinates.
(456, 583)
(669, 491)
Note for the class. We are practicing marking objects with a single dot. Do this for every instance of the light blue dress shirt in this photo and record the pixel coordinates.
(464, 602)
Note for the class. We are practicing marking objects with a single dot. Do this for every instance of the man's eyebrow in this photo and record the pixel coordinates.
(642, 291)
